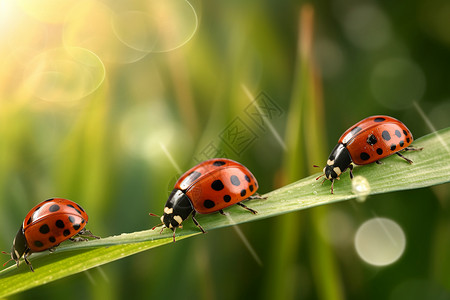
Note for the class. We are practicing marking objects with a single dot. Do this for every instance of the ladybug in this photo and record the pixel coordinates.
(48, 224)
(366, 142)
(208, 187)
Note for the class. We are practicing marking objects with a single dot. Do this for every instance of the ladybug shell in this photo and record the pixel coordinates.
(217, 183)
(374, 138)
(51, 222)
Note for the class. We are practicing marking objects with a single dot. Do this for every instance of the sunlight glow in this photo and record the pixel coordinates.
(267, 122)
(430, 125)
(170, 157)
(244, 240)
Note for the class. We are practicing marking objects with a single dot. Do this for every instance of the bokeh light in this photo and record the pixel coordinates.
(419, 289)
(106, 102)
(161, 26)
(64, 74)
(124, 35)
(397, 82)
(49, 11)
(367, 27)
(141, 141)
(101, 39)
(440, 114)
(380, 241)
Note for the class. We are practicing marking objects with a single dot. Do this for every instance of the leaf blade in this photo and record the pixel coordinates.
(431, 167)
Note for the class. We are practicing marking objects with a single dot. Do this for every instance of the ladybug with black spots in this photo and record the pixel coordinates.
(366, 142)
(208, 187)
(48, 224)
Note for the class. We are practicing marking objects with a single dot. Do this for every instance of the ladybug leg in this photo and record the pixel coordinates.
(173, 236)
(221, 212)
(256, 196)
(332, 186)
(379, 162)
(350, 169)
(197, 223)
(413, 149)
(407, 159)
(53, 249)
(247, 208)
(25, 257)
(82, 236)
(88, 233)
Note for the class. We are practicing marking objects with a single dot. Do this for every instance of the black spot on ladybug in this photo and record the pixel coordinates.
(54, 207)
(38, 244)
(218, 163)
(80, 208)
(355, 130)
(71, 219)
(243, 192)
(49, 199)
(76, 226)
(217, 185)
(82, 221)
(379, 119)
(209, 203)
(66, 232)
(371, 139)
(407, 140)
(44, 229)
(70, 205)
(379, 151)
(398, 133)
(227, 198)
(52, 239)
(393, 146)
(247, 178)
(235, 180)
(405, 132)
(364, 156)
(402, 143)
(59, 224)
(29, 221)
(251, 188)
(385, 135)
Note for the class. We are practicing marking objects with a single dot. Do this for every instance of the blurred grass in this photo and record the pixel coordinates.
(104, 150)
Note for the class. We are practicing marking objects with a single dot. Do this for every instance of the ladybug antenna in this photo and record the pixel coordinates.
(154, 215)
(316, 166)
(320, 176)
(8, 259)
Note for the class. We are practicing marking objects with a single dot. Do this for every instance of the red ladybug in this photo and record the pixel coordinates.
(48, 224)
(366, 142)
(206, 188)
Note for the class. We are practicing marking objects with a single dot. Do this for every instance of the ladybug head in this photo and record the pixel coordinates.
(338, 161)
(331, 172)
(19, 246)
(177, 209)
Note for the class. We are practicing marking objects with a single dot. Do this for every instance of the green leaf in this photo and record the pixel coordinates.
(431, 167)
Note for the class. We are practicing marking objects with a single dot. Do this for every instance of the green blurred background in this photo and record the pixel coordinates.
(106, 102)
